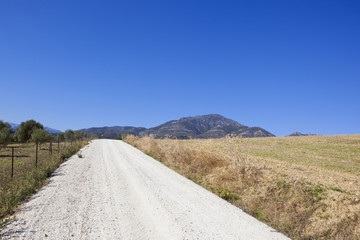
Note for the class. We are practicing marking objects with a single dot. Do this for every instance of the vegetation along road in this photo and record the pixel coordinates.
(113, 191)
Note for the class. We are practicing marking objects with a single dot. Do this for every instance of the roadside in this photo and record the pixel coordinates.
(117, 192)
(28, 179)
(280, 181)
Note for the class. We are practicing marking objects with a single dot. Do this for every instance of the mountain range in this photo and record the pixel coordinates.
(14, 126)
(204, 126)
(112, 132)
(298, 134)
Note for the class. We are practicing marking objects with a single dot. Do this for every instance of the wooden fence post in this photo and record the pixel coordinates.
(50, 149)
(36, 159)
(12, 162)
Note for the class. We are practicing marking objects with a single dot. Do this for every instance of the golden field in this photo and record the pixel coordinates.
(305, 187)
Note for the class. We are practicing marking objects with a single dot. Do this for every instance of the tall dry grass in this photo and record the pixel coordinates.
(295, 206)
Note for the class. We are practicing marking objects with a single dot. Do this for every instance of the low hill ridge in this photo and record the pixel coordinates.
(299, 134)
(112, 132)
(203, 126)
(15, 126)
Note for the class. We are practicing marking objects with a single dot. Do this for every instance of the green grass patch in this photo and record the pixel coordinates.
(336, 189)
(315, 191)
(227, 195)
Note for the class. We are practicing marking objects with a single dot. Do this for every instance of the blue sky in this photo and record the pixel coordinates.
(282, 65)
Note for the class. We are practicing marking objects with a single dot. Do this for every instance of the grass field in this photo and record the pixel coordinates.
(27, 179)
(306, 187)
(24, 159)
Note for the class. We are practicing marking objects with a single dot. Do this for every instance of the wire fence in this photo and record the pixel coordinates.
(17, 159)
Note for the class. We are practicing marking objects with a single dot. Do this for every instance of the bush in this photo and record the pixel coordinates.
(69, 151)
(5, 136)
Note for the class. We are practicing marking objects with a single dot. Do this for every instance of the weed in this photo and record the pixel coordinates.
(336, 189)
(228, 195)
(69, 151)
(316, 191)
(283, 185)
(259, 215)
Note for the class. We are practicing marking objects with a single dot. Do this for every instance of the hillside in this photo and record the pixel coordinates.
(15, 126)
(204, 126)
(298, 134)
(112, 132)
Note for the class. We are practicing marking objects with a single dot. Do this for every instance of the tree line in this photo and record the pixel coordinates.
(32, 131)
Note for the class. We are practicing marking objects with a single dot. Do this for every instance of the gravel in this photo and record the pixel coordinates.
(117, 192)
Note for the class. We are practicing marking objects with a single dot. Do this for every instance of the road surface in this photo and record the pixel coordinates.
(117, 192)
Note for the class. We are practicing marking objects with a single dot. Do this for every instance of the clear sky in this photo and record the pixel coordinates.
(282, 65)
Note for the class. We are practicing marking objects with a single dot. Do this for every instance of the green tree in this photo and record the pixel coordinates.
(5, 134)
(69, 135)
(40, 136)
(79, 135)
(24, 132)
(60, 137)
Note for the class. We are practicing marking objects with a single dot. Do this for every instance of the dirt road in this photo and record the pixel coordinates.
(117, 192)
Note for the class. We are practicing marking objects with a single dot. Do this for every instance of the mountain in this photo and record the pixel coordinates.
(204, 126)
(51, 130)
(15, 126)
(112, 132)
(298, 134)
(250, 132)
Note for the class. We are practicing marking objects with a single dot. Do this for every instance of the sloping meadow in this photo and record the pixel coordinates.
(305, 187)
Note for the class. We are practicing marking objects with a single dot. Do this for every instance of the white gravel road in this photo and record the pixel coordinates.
(117, 192)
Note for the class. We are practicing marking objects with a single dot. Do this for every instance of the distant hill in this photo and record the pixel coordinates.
(112, 132)
(51, 130)
(15, 126)
(204, 126)
(298, 134)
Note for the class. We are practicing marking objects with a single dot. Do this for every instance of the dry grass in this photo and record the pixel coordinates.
(305, 187)
(24, 160)
(27, 179)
